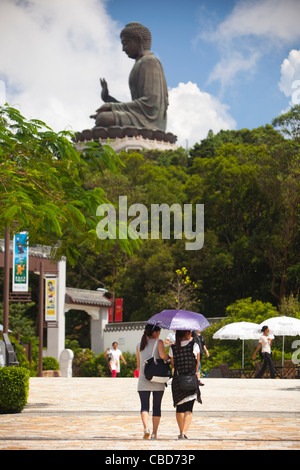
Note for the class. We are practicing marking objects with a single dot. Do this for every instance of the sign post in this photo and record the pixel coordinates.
(41, 307)
(20, 262)
(50, 299)
(6, 282)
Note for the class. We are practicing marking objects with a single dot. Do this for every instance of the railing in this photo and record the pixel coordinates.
(11, 359)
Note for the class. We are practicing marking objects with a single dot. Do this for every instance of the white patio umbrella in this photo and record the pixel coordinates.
(239, 330)
(282, 326)
(1, 329)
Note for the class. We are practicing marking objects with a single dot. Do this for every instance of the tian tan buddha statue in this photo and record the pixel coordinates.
(148, 87)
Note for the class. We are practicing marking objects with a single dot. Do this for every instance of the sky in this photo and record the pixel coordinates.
(229, 64)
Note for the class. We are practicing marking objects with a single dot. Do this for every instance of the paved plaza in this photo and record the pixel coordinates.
(103, 414)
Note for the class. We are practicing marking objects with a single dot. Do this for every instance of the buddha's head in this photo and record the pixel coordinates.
(135, 37)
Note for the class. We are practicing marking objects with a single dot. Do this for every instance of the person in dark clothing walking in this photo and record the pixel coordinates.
(265, 344)
(185, 357)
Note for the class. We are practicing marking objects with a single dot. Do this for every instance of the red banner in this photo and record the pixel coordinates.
(110, 318)
(118, 310)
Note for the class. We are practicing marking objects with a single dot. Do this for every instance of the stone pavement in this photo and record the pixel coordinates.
(103, 414)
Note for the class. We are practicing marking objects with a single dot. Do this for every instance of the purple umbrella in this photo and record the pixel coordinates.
(179, 320)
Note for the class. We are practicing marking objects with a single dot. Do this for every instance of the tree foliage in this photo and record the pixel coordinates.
(289, 123)
(41, 184)
(248, 181)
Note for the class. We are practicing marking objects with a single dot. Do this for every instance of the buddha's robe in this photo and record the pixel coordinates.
(149, 94)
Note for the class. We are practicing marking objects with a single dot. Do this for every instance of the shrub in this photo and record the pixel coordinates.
(97, 366)
(81, 358)
(50, 363)
(14, 389)
(128, 370)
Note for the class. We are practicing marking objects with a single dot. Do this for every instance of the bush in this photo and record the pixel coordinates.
(14, 389)
(97, 366)
(128, 370)
(50, 363)
(81, 358)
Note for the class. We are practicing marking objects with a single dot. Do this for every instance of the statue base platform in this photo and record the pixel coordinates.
(129, 138)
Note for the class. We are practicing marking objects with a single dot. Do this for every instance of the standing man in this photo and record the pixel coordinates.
(114, 355)
(265, 343)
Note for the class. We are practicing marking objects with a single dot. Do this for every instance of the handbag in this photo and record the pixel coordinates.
(157, 370)
(188, 383)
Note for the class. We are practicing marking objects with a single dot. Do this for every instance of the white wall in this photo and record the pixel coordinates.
(127, 335)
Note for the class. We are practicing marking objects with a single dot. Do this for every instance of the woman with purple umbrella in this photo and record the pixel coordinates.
(185, 358)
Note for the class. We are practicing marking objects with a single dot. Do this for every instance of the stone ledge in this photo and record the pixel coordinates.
(116, 132)
(51, 373)
(125, 326)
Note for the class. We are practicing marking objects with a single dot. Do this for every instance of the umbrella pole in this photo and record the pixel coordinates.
(282, 360)
(243, 356)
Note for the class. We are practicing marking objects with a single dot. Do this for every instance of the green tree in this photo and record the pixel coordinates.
(41, 188)
(19, 322)
(290, 306)
(250, 189)
(182, 291)
(289, 123)
(140, 279)
(248, 181)
(230, 264)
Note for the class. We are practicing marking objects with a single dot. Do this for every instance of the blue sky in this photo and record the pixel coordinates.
(229, 64)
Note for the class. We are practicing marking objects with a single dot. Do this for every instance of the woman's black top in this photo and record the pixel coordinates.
(184, 364)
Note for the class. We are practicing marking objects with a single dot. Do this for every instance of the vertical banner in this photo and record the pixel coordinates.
(20, 262)
(118, 310)
(110, 311)
(50, 298)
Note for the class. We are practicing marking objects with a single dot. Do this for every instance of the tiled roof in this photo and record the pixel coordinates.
(86, 297)
(38, 251)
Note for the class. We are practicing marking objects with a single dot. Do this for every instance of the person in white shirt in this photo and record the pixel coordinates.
(170, 339)
(114, 355)
(265, 344)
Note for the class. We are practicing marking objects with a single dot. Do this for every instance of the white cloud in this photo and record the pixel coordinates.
(226, 70)
(192, 113)
(52, 56)
(290, 76)
(252, 29)
(54, 53)
(271, 18)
